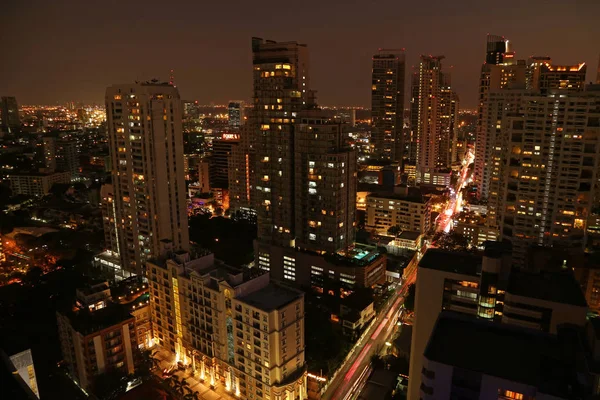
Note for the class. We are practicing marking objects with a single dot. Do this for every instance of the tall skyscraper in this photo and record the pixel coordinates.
(237, 113)
(435, 117)
(500, 71)
(10, 113)
(146, 149)
(549, 168)
(241, 171)
(325, 185)
(281, 90)
(387, 104)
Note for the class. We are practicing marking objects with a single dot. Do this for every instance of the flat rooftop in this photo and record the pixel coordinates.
(452, 261)
(409, 235)
(516, 354)
(555, 286)
(271, 297)
(86, 322)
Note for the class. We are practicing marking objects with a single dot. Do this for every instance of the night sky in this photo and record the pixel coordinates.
(70, 50)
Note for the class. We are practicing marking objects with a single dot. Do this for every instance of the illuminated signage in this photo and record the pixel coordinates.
(230, 136)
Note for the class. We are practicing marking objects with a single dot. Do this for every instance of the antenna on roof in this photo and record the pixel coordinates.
(172, 78)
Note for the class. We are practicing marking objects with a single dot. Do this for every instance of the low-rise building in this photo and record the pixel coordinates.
(36, 183)
(355, 313)
(95, 342)
(405, 208)
(234, 326)
(93, 297)
(473, 226)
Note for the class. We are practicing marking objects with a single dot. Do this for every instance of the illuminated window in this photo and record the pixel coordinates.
(330, 239)
(312, 236)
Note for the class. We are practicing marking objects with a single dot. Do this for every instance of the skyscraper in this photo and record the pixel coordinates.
(60, 153)
(549, 170)
(241, 171)
(281, 90)
(500, 71)
(10, 113)
(325, 185)
(435, 117)
(146, 148)
(237, 113)
(387, 104)
(543, 76)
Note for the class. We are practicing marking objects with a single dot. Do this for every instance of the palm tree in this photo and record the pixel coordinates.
(183, 385)
(191, 395)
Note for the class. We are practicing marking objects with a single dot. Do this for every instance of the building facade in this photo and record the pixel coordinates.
(487, 289)
(61, 154)
(435, 117)
(387, 104)
(242, 171)
(146, 148)
(10, 113)
(93, 343)
(36, 183)
(233, 326)
(548, 171)
(407, 212)
(237, 114)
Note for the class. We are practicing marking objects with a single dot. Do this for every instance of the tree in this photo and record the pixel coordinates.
(146, 363)
(453, 241)
(33, 275)
(191, 395)
(110, 385)
(394, 230)
(409, 300)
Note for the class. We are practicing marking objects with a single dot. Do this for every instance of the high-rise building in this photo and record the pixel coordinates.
(325, 185)
(281, 90)
(241, 171)
(500, 71)
(233, 326)
(548, 171)
(435, 117)
(412, 139)
(387, 104)
(543, 76)
(146, 148)
(485, 287)
(10, 113)
(598, 74)
(219, 160)
(237, 114)
(60, 153)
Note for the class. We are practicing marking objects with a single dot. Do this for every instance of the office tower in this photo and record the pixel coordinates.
(97, 342)
(146, 148)
(219, 160)
(325, 184)
(543, 76)
(485, 287)
(413, 135)
(387, 104)
(500, 71)
(469, 358)
(231, 325)
(449, 123)
(237, 114)
(60, 153)
(281, 90)
(435, 117)
(549, 170)
(241, 171)
(10, 113)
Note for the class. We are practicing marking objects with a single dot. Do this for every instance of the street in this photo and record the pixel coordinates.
(454, 205)
(347, 381)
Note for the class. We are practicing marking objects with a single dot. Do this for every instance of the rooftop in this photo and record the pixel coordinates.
(409, 235)
(543, 361)
(271, 297)
(558, 287)
(360, 255)
(451, 261)
(86, 322)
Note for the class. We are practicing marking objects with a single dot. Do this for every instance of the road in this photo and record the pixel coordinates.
(455, 203)
(347, 381)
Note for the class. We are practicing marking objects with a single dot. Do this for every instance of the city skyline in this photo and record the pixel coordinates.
(211, 68)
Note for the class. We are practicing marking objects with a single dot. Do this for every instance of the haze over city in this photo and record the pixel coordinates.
(67, 50)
